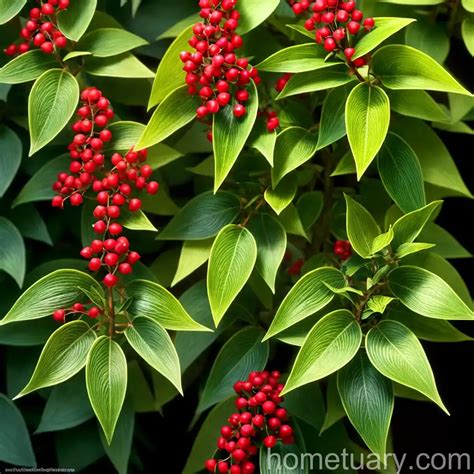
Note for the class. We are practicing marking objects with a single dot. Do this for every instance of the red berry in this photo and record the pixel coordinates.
(125, 268)
(115, 228)
(47, 47)
(95, 264)
(134, 205)
(222, 467)
(239, 455)
(286, 431)
(369, 23)
(353, 27)
(60, 42)
(270, 441)
(133, 258)
(47, 9)
(78, 307)
(59, 315)
(210, 465)
(239, 110)
(110, 280)
(152, 187)
(268, 407)
(93, 312)
(349, 52)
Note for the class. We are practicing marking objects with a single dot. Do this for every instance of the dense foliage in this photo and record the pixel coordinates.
(219, 194)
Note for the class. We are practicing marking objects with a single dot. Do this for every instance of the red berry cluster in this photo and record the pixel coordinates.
(335, 22)
(282, 81)
(214, 71)
(41, 30)
(260, 420)
(113, 184)
(78, 309)
(342, 248)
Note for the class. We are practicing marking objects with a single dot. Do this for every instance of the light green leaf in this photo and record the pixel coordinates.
(316, 81)
(385, 27)
(233, 256)
(379, 303)
(445, 244)
(404, 67)
(154, 345)
(230, 134)
(401, 173)
(125, 65)
(427, 294)
(9, 9)
(333, 126)
(63, 356)
(263, 140)
(202, 217)
(283, 194)
(194, 253)
(136, 220)
(75, 54)
(345, 166)
(155, 302)
(468, 5)
(294, 146)
(12, 251)
(408, 227)
(270, 237)
(367, 121)
(291, 221)
(74, 21)
(106, 380)
(60, 289)
(418, 104)
(310, 206)
(241, 354)
(106, 42)
(396, 353)
(429, 37)
(52, 102)
(177, 110)
(408, 249)
(26, 67)
(329, 346)
(254, 12)
(367, 397)
(15, 443)
(382, 241)
(467, 33)
(300, 58)
(309, 295)
(177, 28)
(361, 227)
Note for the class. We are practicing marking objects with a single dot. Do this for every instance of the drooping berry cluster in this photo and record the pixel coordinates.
(41, 30)
(343, 249)
(214, 71)
(261, 421)
(336, 23)
(77, 309)
(113, 181)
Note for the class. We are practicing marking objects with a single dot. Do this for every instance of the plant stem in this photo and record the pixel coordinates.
(111, 311)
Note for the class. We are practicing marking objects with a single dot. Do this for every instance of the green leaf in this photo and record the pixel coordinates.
(204, 445)
(367, 397)
(379, 303)
(241, 354)
(329, 346)
(10, 157)
(404, 67)
(60, 289)
(170, 74)
(310, 206)
(408, 249)
(153, 301)
(445, 244)
(52, 102)
(137, 220)
(385, 27)
(283, 194)
(270, 460)
(26, 67)
(194, 253)
(74, 21)
(202, 217)
(396, 353)
(75, 54)
(67, 406)
(9, 9)
(468, 5)
(15, 443)
(230, 134)
(309, 295)
(106, 42)
(106, 380)
(291, 221)
(300, 58)
(427, 294)
(254, 12)
(429, 37)
(333, 126)
(345, 166)
(175, 111)
(468, 33)
(334, 409)
(263, 140)
(233, 256)
(382, 241)
(307, 404)
(270, 237)
(408, 227)
(12, 251)
(418, 104)
(154, 345)
(63, 356)
(401, 173)
(316, 81)
(125, 65)
(367, 121)
(31, 225)
(361, 227)
(294, 147)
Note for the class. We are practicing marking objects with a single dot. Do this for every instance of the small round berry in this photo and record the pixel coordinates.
(95, 264)
(134, 205)
(115, 228)
(76, 199)
(152, 187)
(59, 315)
(110, 280)
(222, 467)
(286, 431)
(210, 465)
(125, 268)
(78, 307)
(47, 47)
(93, 312)
(270, 441)
(238, 455)
(47, 9)
(268, 407)
(239, 110)
(226, 431)
(100, 227)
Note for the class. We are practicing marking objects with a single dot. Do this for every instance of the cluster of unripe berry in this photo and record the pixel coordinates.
(213, 70)
(342, 249)
(335, 23)
(260, 421)
(41, 30)
(77, 309)
(113, 184)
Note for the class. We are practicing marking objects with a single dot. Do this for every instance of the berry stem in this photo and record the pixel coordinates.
(111, 311)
